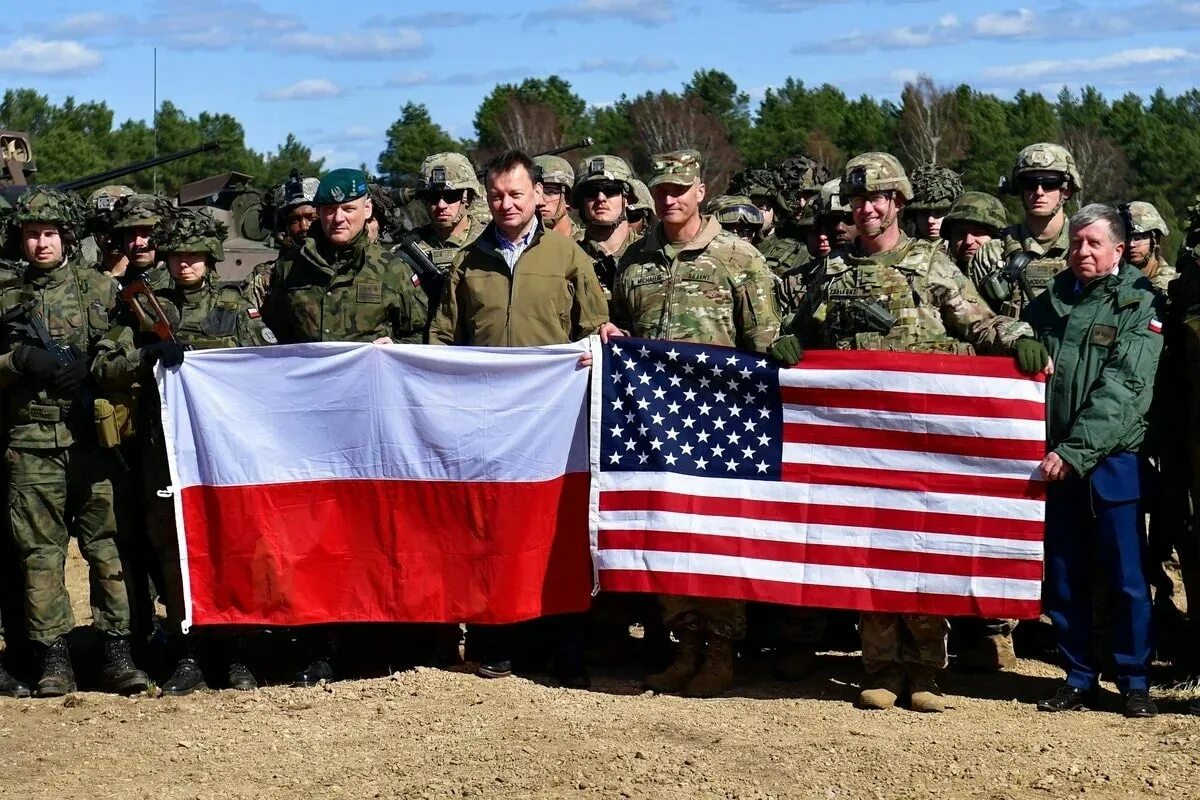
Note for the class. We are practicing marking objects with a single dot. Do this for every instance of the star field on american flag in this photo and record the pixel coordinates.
(692, 409)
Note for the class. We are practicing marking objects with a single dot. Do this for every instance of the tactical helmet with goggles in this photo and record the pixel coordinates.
(451, 172)
(1143, 217)
(599, 170)
(1039, 158)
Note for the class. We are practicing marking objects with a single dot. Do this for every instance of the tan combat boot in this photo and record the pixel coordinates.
(716, 676)
(881, 689)
(926, 696)
(991, 654)
(687, 662)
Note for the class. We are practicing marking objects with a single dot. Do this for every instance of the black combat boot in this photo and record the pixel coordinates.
(186, 677)
(318, 670)
(119, 673)
(57, 676)
(10, 686)
(240, 676)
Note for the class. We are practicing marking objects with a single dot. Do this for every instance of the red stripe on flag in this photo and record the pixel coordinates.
(914, 402)
(387, 551)
(812, 595)
(924, 363)
(826, 554)
(816, 514)
(1011, 488)
(887, 439)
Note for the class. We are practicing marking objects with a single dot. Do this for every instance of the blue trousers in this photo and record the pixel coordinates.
(1095, 531)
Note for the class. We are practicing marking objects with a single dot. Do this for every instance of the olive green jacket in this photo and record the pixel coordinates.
(356, 293)
(551, 296)
(1105, 340)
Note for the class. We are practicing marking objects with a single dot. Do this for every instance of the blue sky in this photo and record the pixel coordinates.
(337, 74)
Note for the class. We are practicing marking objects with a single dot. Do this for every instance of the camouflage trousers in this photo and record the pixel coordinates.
(725, 618)
(53, 495)
(891, 639)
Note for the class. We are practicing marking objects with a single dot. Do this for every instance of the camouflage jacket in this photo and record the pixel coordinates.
(1160, 273)
(785, 254)
(932, 305)
(605, 264)
(257, 284)
(75, 303)
(988, 267)
(716, 290)
(356, 293)
(551, 296)
(442, 252)
(218, 315)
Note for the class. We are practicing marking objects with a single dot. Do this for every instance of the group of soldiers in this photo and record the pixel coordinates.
(532, 251)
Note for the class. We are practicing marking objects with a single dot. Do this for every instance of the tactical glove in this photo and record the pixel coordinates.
(169, 352)
(1032, 355)
(786, 350)
(69, 377)
(38, 364)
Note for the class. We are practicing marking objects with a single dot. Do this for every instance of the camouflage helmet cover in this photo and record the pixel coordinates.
(1045, 157)
(451, 171)
(602, 168)
(800, 176)
(139, 211)
(1143, 217)
(555, 170)
(874, 172)
(192, 230)
(757, 182)
(296, 191)
(934, 188)
(735, 209)
(51, 206)
(105, 198)
(830, 201)
(978, 208)
(642, 199)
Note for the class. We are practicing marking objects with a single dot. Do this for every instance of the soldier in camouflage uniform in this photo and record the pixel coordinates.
(788, 248)
(738, 215)
(934, 190)
(1145, 231)
(641, 209)
(448, 189)
(688, 280)
(137, 216)
(893, 292)
(603, 191)
(59, 475)
(211, 315)
(762, 187)
(557, 179)
(295, 214)
(1016, 267)
(110, 257)
(974, 219)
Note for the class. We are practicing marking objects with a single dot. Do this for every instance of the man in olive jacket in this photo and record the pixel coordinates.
(1099, 323)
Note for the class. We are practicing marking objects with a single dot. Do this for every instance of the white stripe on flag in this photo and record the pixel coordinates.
(908, 461)
(914, 383)
(986, 427)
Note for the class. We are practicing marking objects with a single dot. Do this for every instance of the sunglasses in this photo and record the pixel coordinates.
(552, 190)
(610, 189)
(449, 196)
(1050, 183)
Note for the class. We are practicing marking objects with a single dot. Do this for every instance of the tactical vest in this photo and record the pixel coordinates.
(209, 316)
(1022, 275)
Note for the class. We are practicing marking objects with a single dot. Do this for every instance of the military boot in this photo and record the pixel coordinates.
(926, 696)
(795, 663)
(240, 676)
(882, 688)
(716, 676)
(10, 686)
(119, 673)
(991, 654)
(57, 676)
(685, 666)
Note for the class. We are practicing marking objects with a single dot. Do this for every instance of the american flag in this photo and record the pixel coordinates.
(896, 482)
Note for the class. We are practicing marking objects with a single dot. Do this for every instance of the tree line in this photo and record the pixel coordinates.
(1129, 147)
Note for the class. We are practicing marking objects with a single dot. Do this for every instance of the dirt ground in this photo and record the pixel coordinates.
(439, 734)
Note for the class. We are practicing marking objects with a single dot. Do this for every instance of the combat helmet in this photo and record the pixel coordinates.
(51, 206)
(1042, 157)
(139, 211)
(296, 191)
(735, 209)
(830, 200)
(1143, 217)
(874, 172)
(449, 171)
(555, 169)
(798, 178)
(757, 182)
(978, 208)
(106, 197)
(598, 169)
(643, 201)
(192, 230)
(935, 189)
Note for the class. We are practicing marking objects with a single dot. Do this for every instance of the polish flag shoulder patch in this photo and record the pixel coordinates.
(253, 313)
(1155, 325)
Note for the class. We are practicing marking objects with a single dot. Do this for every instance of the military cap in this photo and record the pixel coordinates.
(341, 186)
(450, 171)
(1043, 157)
(138, 211)
(192, 230)
(1143, 217)
(934, 188)
(735, 209)
(51, 206)
(874, 172)
(555, 170)
(680, 167)
(978, 208)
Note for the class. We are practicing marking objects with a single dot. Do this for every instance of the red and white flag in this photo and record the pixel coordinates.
(356, 483)
(875, 481)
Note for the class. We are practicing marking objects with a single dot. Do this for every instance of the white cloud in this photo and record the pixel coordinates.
(1047, 68)
(361, 45)
(905, 37)
(314, 89)
(904, 75)
(638, 66)
(47, 57)
(643, 12)
(88, 23)
(1006, 24)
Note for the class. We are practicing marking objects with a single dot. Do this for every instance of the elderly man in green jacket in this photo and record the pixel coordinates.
(1099, 333)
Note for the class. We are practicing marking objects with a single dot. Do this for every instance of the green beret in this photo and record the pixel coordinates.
(341, 186)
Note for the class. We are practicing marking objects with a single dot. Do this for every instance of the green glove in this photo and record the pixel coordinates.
(1032, 355)
(786, 350)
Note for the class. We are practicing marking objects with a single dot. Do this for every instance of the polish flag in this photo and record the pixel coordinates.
(341, 482)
